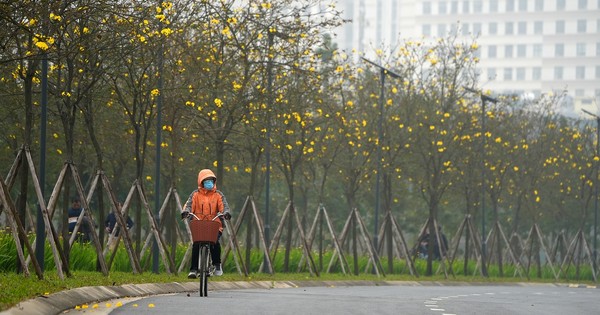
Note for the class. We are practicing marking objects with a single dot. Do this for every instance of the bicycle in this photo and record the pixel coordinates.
(206, 233)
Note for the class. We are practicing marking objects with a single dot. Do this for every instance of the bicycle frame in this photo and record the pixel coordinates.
(205, 233)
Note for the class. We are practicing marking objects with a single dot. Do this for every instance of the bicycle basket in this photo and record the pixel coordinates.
(204, 231)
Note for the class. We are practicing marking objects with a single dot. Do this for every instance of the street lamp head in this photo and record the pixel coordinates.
(385, 70)
(591, 114)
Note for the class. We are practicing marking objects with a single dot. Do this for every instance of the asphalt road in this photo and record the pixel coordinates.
(396, 299)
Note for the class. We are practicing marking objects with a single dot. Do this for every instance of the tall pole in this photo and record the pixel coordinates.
(484, 271)
(596, 184)
(159, 102)
(383, 72)
(40, 229)
(379, 144)
(268, 141)
(484, 99)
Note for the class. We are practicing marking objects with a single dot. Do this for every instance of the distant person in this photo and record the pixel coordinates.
(440, 251)
(111, 221)
(74, 213)
(425, 240)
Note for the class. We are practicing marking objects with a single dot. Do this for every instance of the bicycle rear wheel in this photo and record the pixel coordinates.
(203, 270)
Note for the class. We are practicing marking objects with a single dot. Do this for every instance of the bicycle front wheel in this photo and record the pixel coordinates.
(203, 271)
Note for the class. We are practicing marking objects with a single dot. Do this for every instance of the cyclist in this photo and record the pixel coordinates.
(206, 202)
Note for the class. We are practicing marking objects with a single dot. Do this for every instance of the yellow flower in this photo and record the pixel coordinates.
(42, 45)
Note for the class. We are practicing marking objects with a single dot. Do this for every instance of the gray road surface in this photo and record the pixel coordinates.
(427, 300)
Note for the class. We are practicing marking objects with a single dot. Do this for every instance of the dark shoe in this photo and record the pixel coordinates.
(192, 274)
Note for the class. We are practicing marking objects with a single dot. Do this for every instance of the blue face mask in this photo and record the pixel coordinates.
(208, 184)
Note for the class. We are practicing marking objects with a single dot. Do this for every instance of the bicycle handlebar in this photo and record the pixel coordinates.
(219, 215)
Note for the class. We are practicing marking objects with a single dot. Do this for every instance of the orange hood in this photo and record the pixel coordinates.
(204, 174)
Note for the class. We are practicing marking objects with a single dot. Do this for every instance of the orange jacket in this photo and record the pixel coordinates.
(205, 203)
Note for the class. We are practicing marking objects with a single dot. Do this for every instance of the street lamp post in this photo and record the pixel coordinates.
(596, 183)
(484, 99)
(268, 144)
(383, 72)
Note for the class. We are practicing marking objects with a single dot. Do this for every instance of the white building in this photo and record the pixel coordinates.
(526, 46)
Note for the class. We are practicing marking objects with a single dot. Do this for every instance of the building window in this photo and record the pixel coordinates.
(559, 50)
(465, 29)
(491, 73)
(598, 20)
(581, 26)
(522, 28)
(580, 72)
(539, 5)
(443, 7)
(493, 28)
(538, 27)
(522, 5)
(560, 27)
(492, 51)
(537, 50)
(466, 6)
(508, 51)
(521, 50)
(508, 74)
(597, 49)
(454, 29)
(508, 28)
(441, 30)
(493, 5)
(597, 72)
(582, 4)
(560, 5)
(477, 29)
(521, 73)
(454, 7)
(510, 5)
(579, 93)
(536, 73)
(426, 7)
(427, 29)
(558, 73)
(581, 48)
(477, 6)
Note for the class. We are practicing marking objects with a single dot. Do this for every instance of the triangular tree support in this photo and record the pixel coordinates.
(354, 222)
(445, 258)
(24, 157)
(472, 241)
(496, 238)
(18, 231)
(317, 226)
(70, 167)
(249, 209)
(391, 235)
(559, 248)
(533, 244)
(155, 231)
(578, 251)
(124, 233)
(289, 215)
